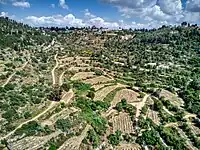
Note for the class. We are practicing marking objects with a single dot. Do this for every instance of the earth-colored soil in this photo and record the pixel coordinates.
(32, 142)
(53, 70)
(10, 77)
(195, 130)
(127, 94)
(66, 59)
(74, 142)
(53, 104)
(61, 115)
(97, 80)
(172, 98)
(101, 94)
(166, 110)
(79, 68)
(128, 147)
(83, 75)
(140, 105)
(33, 119)
(122, 122)
(67, 96)
(61, 78)
(99, 86)
(154, 116)
(190, 116)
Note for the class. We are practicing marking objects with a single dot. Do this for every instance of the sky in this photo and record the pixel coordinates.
(102, 13)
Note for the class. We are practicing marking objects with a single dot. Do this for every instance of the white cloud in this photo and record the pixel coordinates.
(170, 6)
(193, 5)
(88, 14)
(71, 20)
(21, 4)
(99, 22)
(56, 20)
(158, 11)
(145, 13)
(63, 4)
(4, 14)
(132, 3)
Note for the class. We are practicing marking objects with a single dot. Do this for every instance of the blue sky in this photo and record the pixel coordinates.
(105, 13)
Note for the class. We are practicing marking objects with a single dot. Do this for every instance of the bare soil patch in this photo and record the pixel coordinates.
(101, 94)
(195, 130)
(128, 147)
(123, 123)
(75, 142)
(129, 95)
(83, 75)
(61, 115)
(99, 86)
(174, 99)
(97, 80)
(154, 116)
(33, 142)
(79, 68)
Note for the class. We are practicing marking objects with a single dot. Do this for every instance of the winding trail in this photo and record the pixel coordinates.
(53, 70)
(33, 119)
(61, 78)
(140, 105)
(165, 109)
(39, 115)
(10, 77)
(53, 104)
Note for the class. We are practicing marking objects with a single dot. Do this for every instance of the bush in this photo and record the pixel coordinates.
(98, 72)
(66, 87)
(91, 95)
(29, 129)
(114, 139)
(63, 124)
(52, 147)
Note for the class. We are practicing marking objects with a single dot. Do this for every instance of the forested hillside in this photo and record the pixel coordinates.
(91, 88)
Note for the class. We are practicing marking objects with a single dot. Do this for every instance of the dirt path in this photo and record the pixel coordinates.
(10, 77)
(61, 78)
(53, 70)
(171, 124)
(74, 142)
(65, 98)
(51, 44)
(190, 115)
(33, 119)
(140, 105)
(165, 109)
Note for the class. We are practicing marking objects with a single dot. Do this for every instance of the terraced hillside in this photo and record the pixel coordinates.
(59, 92)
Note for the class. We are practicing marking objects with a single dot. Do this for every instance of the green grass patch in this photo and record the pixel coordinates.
(81, 88)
